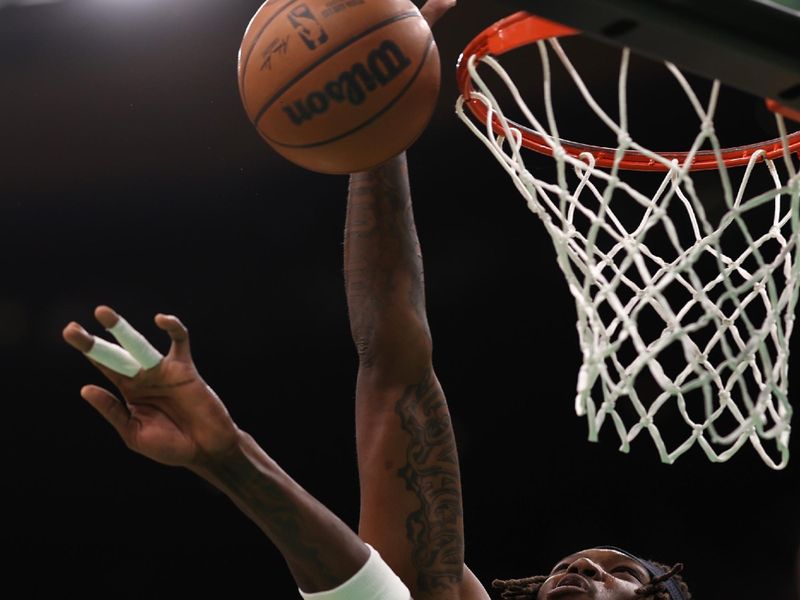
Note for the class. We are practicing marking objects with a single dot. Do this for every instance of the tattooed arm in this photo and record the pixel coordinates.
(168, 414)
(408, 465)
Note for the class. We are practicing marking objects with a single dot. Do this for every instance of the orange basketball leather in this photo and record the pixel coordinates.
(338, 86)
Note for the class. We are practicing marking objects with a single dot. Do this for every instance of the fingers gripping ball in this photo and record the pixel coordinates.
(338, 86)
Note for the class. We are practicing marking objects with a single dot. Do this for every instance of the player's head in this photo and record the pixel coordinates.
(601, 573)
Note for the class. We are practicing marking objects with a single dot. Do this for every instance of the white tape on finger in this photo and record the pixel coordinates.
(115, 358)
(135, 343)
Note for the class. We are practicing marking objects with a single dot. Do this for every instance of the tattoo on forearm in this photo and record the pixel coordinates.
(431, 473)
(385, 293)
(266, 502)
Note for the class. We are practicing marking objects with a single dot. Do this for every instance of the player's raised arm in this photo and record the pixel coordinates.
(411, 506)
(408, 465)
(167, 413)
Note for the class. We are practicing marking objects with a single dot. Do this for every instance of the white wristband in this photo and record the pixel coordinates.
(375, 581)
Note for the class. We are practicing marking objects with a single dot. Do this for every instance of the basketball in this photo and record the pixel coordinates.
(339, 86)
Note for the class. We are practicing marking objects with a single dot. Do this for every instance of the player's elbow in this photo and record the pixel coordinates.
(400, 353)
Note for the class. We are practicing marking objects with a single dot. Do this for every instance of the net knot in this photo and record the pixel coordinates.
(632, 247)
(624, 139)
(536, 209)
(699, 357)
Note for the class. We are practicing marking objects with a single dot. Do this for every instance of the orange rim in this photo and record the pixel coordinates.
(523, 28)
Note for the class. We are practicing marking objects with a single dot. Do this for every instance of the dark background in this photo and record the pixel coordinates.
(130, 176)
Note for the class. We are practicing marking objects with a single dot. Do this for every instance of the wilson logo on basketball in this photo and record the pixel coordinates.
(384, 64)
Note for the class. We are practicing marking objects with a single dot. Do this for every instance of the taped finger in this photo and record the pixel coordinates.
(136, 344)
(115, 358)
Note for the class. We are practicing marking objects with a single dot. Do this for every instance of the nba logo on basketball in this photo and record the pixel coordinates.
(307, 26)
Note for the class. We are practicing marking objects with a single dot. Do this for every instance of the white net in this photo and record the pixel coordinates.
(684, 319)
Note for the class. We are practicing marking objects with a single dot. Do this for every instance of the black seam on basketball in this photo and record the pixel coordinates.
(322, 59)
(253, 46)
(373, 117)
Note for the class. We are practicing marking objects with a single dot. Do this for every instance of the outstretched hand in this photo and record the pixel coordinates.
(167, 412)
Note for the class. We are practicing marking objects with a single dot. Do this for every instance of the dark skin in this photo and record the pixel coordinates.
(170, 415)
(599, 574)
(405, 440)
(406, 449)
(411, 506)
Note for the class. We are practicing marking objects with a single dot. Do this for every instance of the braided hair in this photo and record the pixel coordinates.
(520, 589)
(528, 588)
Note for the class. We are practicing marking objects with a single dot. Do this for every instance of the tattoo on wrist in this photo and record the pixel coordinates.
(267, 502)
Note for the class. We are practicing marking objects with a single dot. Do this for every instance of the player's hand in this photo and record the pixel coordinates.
(433, 10)
(166, 411)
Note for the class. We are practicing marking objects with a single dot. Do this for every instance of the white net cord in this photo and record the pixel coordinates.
(684, 320)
